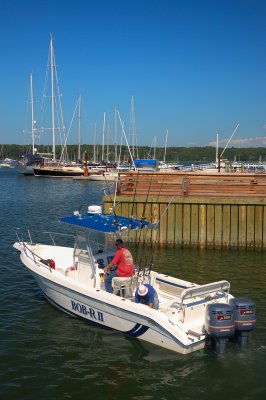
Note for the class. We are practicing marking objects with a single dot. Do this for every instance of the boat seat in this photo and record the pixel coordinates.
(86, 271)
(124, 287)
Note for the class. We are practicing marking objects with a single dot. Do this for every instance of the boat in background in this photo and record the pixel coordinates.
(7, 163)
(189, 316)
(103, 176)
(55, 167)
(59, 171)
(32, 158)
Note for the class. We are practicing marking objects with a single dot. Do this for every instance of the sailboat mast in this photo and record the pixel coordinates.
(94, 144)
(79, 137)
(108, 141)
(165, 145)
(133, 126)
(103, 136)
(32, 115)
(52, 92)
(115, 136)
(217, 148)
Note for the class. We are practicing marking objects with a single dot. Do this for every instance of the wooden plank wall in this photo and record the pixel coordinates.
(180, 184)
(213, 223)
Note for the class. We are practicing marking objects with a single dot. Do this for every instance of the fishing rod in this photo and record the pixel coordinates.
(139, 247)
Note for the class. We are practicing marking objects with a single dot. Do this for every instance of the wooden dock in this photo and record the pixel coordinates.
(222, 211)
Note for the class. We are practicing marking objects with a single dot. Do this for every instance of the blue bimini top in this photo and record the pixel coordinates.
(106, 223)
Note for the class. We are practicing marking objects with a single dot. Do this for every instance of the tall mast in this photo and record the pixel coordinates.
(217, 148)
(103, 136)
(115, 135)
(94, 144)
(133, 126)
(108, 141)
(32, 115)
(165, 145)
(79, 137)
(52, 92)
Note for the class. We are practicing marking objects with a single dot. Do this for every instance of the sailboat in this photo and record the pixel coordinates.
(32, 158)
(56, 168)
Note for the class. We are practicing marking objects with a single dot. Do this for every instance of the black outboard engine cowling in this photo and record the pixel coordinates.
(219, 324)
(245, 318)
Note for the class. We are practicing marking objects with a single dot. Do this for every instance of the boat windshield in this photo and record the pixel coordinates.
(87, 241)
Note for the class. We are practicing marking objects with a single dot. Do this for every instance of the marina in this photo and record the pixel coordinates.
(133, 200)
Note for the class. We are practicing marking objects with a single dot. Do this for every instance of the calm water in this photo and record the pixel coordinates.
(46, 354)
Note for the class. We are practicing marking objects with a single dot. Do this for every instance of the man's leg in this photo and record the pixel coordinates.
(108, 281)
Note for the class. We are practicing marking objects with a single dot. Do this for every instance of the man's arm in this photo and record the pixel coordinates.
(108, 266)
(114, 261)
(151, 297)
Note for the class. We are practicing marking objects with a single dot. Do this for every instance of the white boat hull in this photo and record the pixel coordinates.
(112, 316)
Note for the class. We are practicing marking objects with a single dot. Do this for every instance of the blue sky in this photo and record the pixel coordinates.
(194, 67)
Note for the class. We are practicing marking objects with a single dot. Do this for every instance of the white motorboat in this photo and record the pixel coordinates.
(103, 176)
(7, 163)
(189, 315)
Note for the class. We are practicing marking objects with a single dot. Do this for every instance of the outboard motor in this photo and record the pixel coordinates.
(245, 318)
(219, 324)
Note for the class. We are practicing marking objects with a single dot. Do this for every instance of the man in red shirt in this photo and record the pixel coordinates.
(125, 266)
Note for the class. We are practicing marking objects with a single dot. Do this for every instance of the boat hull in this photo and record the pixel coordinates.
(110, 316)
(103, 177)
(57, 172)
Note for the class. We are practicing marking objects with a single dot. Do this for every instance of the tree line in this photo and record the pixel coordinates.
(172, 154)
